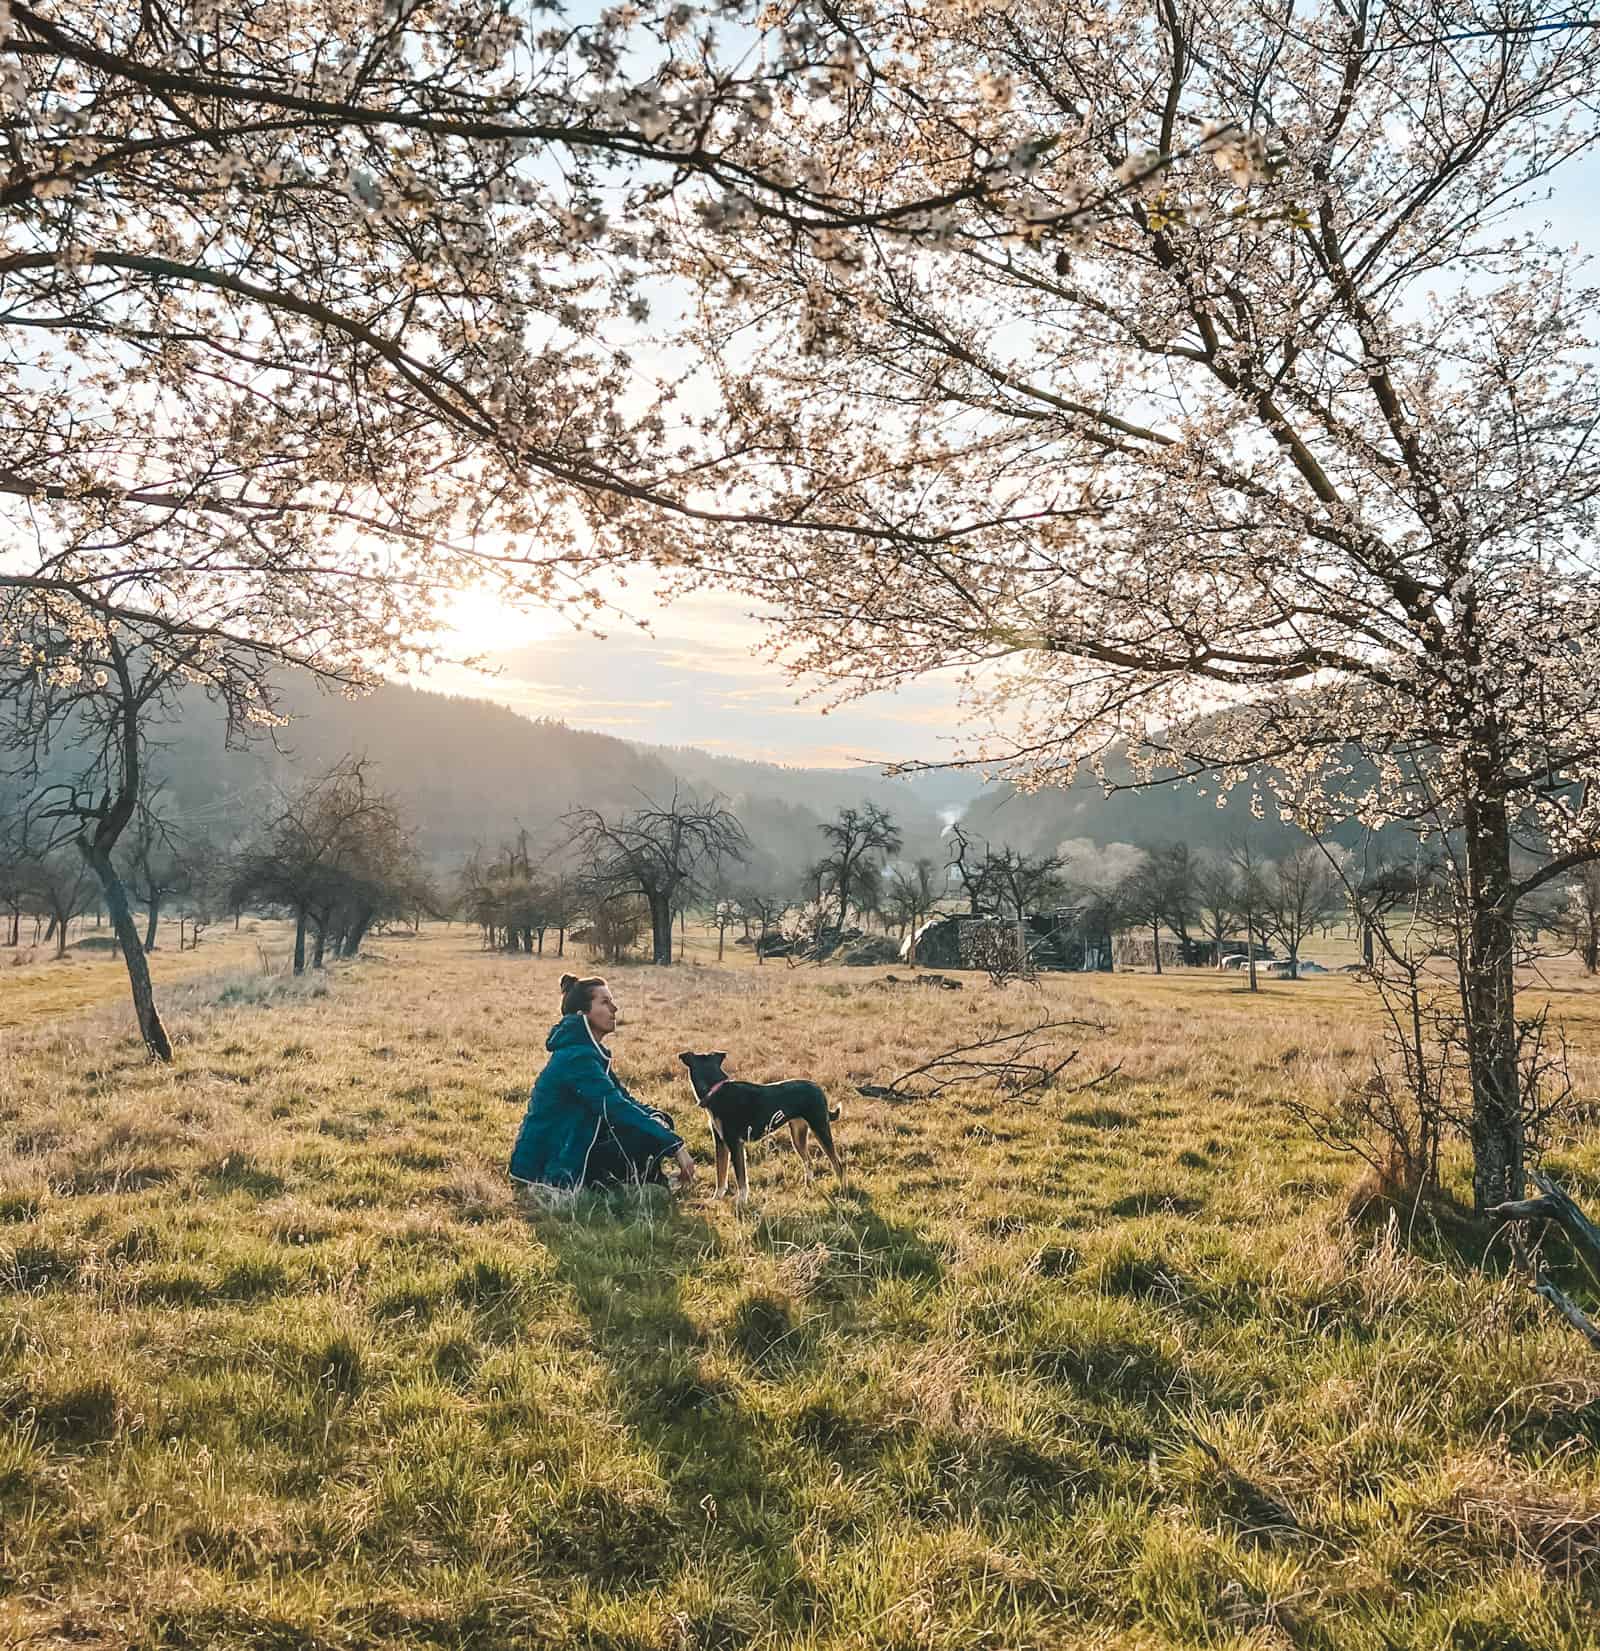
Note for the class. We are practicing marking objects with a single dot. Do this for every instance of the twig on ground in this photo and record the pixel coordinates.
(1016, 1063)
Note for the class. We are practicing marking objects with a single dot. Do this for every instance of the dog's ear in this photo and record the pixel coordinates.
(720, 1056)
(685, 1057)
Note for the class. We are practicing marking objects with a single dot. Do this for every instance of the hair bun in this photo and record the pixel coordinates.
(568, 982)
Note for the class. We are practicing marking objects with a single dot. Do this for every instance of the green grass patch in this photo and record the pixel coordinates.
(286, 1362)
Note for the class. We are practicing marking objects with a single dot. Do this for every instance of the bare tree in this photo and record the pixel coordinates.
(1022, 882)
(769, 910)
(1216, 901)
(62, 887)
(660, 851)
(1141, 903)
(1250, 872)
(1095, 877)
(13, 866)
(77, 707)
(1301, 890)
(973, 871)
(153, 853)
(334, 854)
(1384, 886)
(911, 895)
(857, 837)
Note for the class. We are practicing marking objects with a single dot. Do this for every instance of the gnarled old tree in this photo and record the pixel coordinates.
(664, 852)
(1296, 446)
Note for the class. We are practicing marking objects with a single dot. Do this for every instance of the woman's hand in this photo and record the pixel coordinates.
(685, 1169)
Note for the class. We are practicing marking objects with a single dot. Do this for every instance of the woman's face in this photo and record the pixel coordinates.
(602, 1012)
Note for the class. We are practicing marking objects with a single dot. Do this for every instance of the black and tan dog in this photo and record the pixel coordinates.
(742, 1112)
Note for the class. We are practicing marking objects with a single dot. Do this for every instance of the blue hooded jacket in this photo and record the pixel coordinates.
(582, 1128)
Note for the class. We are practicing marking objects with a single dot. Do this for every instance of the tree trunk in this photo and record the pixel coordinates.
(300, 943)
(49, 933)
(58, 928)
(144, 998)
(561, 941)
(721, 936)
(16, 926)
(1155, 944)
(355, 934)
(321, 942)
(152, 917)
(1488, 995)
(661, 928)
(1250, 948)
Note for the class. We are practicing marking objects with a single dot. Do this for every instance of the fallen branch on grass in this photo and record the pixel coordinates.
(1555, 1205)
(1015, 1063)
(943, 982)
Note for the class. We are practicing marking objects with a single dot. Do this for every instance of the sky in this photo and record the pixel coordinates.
(700, 676)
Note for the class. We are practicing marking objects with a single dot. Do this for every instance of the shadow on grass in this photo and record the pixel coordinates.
(632, 1262)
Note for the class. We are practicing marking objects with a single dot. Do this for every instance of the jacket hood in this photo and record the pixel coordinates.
(572, 1032)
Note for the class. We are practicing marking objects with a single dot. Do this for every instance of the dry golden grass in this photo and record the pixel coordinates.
(36, 986)
(284, 1361)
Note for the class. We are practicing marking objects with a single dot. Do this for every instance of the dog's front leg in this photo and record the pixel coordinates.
(722, 1164)
(736, 1146)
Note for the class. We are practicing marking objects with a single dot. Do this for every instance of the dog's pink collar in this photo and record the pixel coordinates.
(715, 1087)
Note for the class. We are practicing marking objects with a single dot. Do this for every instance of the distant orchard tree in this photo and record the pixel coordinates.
(1386, 886)
(110, 680)
(14, 883)
(1020, 882)
(1302, 890)
(912, 892)
(1250, 889)
(1217, 906)
(336, 854)
(768, 910)
(858, 840)
(662, 852)
(154, 853)
(617, 922)
(61, 887)
(972, 869)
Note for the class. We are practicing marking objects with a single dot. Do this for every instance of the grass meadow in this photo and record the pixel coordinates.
(285, 1363)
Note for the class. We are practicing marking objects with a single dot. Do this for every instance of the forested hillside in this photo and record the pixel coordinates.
(471, 772)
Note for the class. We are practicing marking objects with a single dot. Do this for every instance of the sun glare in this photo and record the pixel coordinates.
(480, 620)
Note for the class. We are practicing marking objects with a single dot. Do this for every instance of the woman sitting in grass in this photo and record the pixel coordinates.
(582, 1128)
